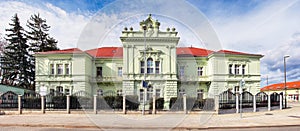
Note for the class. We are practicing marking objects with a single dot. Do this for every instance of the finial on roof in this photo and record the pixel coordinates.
(150, 15)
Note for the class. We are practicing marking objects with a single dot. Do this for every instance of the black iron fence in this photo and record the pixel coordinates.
(247, 100)
(275, 99)
(31, 101)
(227, 100)
(261, 99)
(9, 100)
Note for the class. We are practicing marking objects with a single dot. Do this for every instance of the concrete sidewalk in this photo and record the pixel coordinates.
(287, 117)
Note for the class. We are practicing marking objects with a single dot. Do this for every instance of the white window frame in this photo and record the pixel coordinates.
(59, 69)
(120, 71)
(150, 66)
(142, 65)
(237, 69)
(181, 71)
(200, 71)
(67, 69)
(52, 70)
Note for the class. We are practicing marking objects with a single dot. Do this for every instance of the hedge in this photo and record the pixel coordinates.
(159, 104)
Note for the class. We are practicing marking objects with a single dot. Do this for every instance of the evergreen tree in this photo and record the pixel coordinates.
(39, 39)
(15, 62)
(3, 43)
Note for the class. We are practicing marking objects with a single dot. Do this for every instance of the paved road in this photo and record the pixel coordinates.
(107, 121)
(14, 128)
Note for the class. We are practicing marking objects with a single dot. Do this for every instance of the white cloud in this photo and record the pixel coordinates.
(65, 27)
(272, 29)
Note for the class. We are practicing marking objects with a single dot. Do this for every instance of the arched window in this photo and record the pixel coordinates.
(150, 66)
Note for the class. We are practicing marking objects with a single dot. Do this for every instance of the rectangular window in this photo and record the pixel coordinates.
(237, 71)
(157, 92)
(59, 89)
(150, 66)
(157, 67)
(99, 72)
(141, 94)
(243, 69)
(67, 69)
(200, 71)
(52, 69)
(142, 67)
(120, 71)
(200, 94)
(59, 69)
(181, 70)
(230, 69)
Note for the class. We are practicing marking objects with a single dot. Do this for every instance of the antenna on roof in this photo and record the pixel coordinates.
(191, 46)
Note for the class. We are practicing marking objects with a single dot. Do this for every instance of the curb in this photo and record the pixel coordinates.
(45, 125)
(141, 128)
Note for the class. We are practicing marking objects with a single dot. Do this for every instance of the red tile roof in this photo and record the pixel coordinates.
(236, 53)
(280, 86)
(192, 51)
(117, 52)
(65, 51)
(106, 52)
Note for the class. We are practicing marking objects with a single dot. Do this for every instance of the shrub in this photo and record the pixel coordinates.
(159, 104)
(132, 102)
(176, 103)
(118, 103)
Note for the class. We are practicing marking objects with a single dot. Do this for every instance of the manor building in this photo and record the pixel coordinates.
(151, 55)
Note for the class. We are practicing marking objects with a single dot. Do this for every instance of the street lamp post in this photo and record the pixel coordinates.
(285, 94)
(144, 28)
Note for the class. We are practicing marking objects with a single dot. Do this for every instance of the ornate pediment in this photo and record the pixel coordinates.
(149, 23)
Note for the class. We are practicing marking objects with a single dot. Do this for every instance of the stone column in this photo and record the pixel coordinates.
(269, 102)
(217, 104)
(43, 104)
(237, 102)
(184, 104)
(254, 103)
(124, 104)
(280, 102)
(95, 104)
(19, 104)
(154, 104)
(68, 104)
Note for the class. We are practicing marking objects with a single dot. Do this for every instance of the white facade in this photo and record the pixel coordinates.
(169, 70)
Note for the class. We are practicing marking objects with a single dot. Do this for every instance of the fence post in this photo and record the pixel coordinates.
(184, 104)
(43, 104)
(95, 104)
(124, 104)
(269, 102)
(68, 104)
(19, 104)
(254, 103)
(217, 104)
(280, 102)
(237, 102)
(154, 104)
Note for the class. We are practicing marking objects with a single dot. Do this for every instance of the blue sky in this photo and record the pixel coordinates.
(267, 27)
